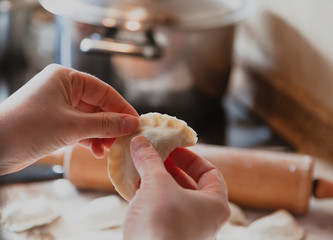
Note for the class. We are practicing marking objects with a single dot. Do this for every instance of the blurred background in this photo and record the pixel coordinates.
(205, 62)
(244, 73)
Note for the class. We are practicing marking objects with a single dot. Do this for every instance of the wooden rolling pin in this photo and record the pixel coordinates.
(255, 178)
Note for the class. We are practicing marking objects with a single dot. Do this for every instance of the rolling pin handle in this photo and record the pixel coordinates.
(322, 188)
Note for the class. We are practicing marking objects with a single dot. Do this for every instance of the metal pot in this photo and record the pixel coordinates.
(169, 56)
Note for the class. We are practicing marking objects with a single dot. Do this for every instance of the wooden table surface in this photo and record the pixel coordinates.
(318, 222)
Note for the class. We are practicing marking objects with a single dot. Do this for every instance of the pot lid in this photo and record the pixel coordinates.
(139, 14)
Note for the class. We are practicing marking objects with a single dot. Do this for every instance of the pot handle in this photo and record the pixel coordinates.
(110, 46)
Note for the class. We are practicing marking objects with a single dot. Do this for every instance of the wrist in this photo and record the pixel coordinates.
(8, 145)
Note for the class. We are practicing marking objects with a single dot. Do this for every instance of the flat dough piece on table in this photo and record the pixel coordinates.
(278, 225)
(166, 133)
(110, 234)
(237, 216)
(23, 215)
(103, 213)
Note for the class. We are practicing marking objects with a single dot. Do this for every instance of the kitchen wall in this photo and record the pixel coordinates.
(288, 45)
(293, 39)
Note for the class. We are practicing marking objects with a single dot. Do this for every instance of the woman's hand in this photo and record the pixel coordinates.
(56, 108)
(189, 201)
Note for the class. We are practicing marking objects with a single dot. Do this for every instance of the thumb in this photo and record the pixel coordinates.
(106, 125)
(145, 158)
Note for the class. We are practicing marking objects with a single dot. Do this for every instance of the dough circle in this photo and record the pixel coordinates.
(21, 215)
(165, 133)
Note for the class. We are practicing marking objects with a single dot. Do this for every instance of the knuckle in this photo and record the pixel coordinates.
(146, 156)
(108, 124)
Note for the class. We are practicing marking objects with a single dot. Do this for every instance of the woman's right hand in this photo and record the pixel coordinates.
(187, 201)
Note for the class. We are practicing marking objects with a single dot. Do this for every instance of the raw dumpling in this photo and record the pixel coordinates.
(165, 133)
(23, 215)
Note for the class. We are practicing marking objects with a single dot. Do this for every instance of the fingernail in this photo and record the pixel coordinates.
(140, 142)
(129, 124)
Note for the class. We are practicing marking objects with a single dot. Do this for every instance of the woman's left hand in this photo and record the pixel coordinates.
(56, 108)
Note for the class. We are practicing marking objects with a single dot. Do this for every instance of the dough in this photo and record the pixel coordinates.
(278, 225)
(23, 215)
(234, 232)
(237, 216)
(111, 234)
(165, 133)
(104, 213)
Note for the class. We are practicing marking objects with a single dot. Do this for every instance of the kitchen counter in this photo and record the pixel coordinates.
(317, 223)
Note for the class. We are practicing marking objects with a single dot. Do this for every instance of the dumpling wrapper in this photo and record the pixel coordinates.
(22, 215)
(166, 133)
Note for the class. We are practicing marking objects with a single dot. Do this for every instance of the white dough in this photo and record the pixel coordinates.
(164, 132)
(103, 213)
(237, 216)
(111, 234)
(235, 232)
(23, 215)
(278, 225)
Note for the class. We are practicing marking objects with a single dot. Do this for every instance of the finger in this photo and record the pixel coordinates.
(88, 108)
(179, 175)
(85, 143)
(203, 172)
(94, 92)
(97, 147)
(190, 163)
(212, 181)
(94, 145)
(107, 142)
(145, 158)
(104, 125)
